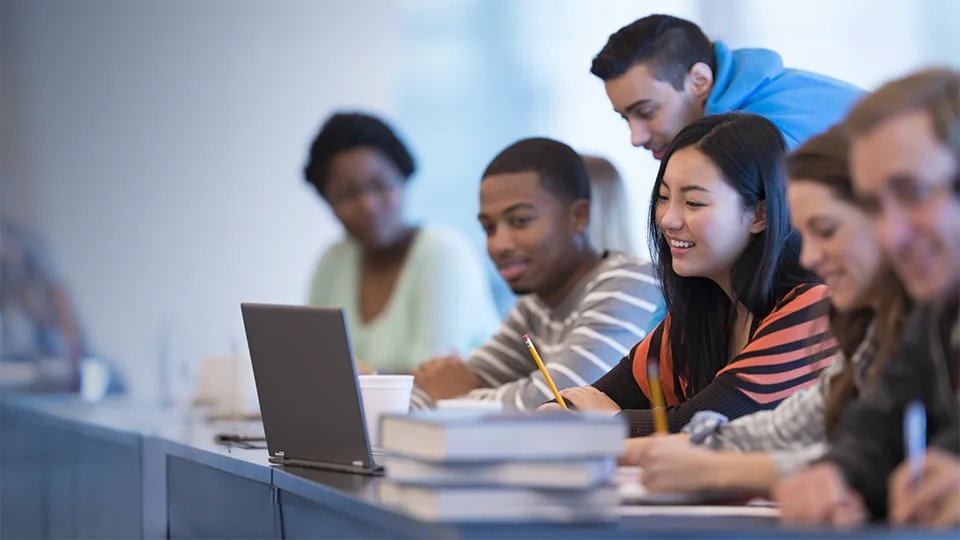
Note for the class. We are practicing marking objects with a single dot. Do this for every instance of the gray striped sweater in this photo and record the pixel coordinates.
(579, 341)
(793, 433)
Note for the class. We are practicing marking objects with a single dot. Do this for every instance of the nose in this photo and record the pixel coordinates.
(893, 229)
(672, 217)
(500, 242)
(639, 133)
(810, 255)
(368, 204)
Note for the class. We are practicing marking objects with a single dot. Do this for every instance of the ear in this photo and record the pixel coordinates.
(700, 81)
(759, 219)
(580, 215)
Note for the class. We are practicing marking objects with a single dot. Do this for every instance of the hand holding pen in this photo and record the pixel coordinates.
(925, 488)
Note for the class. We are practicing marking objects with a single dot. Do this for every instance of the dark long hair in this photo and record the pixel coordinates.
(749, 151)
(824, 160)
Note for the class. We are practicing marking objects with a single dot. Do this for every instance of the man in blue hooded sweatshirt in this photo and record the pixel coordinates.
(662, 72)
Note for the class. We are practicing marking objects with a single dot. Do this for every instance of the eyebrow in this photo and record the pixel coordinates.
(686, 189)
(636, 104)
(508, 210)
(820, 220)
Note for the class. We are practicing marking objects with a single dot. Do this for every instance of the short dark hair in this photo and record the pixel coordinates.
(561, 169)
(346, 131)
(670, 46)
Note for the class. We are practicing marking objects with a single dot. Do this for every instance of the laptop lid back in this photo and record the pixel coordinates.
(306, 383)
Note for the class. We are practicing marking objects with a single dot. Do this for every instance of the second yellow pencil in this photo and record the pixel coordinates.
(656, 396)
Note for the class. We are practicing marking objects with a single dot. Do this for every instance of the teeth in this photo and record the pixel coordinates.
(681, 244)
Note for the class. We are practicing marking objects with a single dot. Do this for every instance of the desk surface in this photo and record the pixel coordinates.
(186, 434)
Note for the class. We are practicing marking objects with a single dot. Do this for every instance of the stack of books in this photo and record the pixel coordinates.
(446, 466)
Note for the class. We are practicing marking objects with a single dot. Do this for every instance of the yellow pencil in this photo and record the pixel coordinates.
(553, 387)
(656, 396)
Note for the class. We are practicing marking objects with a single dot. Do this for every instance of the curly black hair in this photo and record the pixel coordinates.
(346, 131)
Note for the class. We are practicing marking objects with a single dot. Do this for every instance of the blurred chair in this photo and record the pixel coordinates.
(611, 218)
(226, 386)
(612, 227)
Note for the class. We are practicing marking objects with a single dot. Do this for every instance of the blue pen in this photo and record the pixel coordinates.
(915, 439)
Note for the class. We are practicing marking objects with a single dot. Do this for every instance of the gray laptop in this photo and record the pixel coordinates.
(309, 396)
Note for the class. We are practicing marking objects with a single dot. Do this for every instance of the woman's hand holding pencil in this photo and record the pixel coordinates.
(585, 398)
(544, 372)
(589, 399)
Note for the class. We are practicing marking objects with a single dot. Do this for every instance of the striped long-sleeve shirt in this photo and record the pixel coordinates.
(785, 354)
(579, 340)
(793, 433)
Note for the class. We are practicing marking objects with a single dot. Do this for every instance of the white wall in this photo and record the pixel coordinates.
(158, 146)
(16, 201)
(866, 42)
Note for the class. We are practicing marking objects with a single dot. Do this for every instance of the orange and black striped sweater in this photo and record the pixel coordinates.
(785, 353)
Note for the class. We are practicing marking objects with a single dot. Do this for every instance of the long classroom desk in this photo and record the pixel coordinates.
(121, 469)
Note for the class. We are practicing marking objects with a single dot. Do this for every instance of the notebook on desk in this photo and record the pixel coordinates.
(632, 491)
(307, 386)
(633, 494)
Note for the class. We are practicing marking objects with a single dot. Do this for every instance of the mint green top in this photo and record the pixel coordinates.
(441, 303)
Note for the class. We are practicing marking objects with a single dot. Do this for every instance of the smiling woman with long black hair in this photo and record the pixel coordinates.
(747, 325)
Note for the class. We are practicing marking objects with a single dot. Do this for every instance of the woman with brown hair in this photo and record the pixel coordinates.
(868, 309)
(904, 164)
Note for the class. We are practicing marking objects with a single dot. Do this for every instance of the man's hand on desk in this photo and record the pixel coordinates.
(445, 378)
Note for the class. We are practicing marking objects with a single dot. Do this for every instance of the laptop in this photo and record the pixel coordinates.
(309, 396)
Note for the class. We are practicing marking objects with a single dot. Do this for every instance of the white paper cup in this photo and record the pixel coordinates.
(383, 394)
(94, 379)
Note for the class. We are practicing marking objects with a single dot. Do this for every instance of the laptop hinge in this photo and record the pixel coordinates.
(280, 456)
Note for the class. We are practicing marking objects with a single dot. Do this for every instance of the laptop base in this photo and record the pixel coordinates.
(322, 465)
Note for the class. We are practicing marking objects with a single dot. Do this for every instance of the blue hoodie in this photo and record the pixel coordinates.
(800, 103)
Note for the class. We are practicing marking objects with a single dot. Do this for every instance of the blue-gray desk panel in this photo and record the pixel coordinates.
(120, 469)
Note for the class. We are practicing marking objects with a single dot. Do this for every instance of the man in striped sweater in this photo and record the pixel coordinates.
(584, 310)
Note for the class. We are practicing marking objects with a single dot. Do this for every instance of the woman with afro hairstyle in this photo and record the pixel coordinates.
(409, 293)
